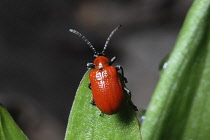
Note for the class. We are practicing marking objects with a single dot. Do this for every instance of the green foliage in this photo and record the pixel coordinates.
(8, 128)
(85, 122)
(179, 109)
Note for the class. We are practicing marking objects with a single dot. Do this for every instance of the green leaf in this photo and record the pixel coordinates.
(180, 106)
(85, 122)
(9, 130)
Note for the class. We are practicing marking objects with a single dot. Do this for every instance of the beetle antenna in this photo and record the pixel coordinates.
(107, 41)
(86, 40)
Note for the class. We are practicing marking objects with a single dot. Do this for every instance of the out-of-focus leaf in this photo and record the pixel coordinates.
(9, 130)
(180, 106)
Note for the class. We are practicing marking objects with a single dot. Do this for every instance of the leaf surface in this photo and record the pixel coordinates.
(85, 122)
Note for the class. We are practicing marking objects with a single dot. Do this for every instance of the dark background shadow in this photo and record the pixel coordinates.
(42, 63)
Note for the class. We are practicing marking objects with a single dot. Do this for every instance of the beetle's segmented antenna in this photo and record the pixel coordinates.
(85, 39)
(107, 41)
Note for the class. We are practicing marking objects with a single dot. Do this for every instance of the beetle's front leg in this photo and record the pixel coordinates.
(118, 67)
(112, 60)
(130, 102)
(90, 65)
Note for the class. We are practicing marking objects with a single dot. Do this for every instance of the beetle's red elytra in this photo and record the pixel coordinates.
(106, 86)
(107, 89)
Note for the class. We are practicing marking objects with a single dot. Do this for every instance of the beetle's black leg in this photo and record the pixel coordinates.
(127, 91)
(125, 80)
(92, 102)
(90, 65)
(89, 86)
(101, 114)
(118, 67)
(130, 102)
(112, 60)
(133, 106)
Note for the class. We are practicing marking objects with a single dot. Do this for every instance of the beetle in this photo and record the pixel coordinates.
(105, 83)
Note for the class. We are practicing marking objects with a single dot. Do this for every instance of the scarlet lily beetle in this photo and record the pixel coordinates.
(107, 89)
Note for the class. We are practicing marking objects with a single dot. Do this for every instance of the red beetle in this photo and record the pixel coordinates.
(105, 83)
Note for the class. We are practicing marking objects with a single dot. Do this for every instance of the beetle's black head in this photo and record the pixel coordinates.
(99, 54)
